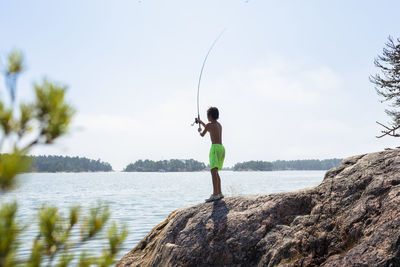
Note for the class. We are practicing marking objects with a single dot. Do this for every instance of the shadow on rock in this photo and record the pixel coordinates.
(218, 220)
(216, 226)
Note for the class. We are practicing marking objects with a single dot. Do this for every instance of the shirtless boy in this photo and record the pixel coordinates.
(217, 150)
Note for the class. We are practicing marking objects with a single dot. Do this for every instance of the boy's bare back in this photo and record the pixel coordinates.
(215, 130)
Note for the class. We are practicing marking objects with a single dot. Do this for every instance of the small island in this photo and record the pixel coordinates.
(67, 164)
(284, 165)
(172, 165)
(253, 166)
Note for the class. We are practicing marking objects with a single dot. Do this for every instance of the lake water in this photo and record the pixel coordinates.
(141, 200)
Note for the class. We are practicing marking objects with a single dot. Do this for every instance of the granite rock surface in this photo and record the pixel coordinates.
(351, 219)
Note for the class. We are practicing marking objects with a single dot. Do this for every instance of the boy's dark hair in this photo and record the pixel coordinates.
(213, 113)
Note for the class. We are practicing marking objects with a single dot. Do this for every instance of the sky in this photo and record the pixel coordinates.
(290, 78)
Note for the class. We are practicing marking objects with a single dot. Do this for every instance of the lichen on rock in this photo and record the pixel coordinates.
(351, 219)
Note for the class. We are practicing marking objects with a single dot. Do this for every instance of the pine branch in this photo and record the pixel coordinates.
(389, 131)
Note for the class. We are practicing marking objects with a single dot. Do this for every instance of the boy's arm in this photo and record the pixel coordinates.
(202, 123)
(205, 130)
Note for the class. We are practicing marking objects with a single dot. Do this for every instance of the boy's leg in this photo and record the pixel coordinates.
(214, 174)
(219, 191)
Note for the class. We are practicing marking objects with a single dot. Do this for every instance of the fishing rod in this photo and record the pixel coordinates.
(197, 120)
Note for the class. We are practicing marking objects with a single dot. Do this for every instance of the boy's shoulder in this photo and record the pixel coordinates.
(212, 124)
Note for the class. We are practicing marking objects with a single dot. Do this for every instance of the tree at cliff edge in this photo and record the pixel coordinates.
(387, 84)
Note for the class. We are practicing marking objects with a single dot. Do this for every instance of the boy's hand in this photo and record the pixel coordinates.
(202, 133)
(199, 129)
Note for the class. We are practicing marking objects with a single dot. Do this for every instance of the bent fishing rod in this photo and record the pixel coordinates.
(197, 120)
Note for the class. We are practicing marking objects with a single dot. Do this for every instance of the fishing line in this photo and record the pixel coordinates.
(196, 120)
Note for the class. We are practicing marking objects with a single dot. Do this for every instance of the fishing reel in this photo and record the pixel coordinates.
(197, 121)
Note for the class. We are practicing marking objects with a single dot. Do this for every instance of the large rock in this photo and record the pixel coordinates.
(351, 219)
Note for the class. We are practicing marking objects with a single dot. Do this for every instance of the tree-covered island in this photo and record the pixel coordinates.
(67, 164)
(172, 165)
(282, 165)
(253, 166)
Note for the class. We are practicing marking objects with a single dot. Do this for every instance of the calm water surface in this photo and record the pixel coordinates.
(141, 200)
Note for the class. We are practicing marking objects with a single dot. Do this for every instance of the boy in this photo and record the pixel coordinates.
(217, 150)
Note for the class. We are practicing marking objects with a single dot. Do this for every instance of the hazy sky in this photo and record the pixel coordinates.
(290, 77)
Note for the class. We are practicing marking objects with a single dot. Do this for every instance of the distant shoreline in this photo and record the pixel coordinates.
(93, 172)
(189, 165)
(67, 164)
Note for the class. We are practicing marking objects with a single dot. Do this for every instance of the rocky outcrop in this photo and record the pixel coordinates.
(351, 219)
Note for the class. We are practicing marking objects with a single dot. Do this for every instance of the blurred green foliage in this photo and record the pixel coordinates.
(15, 62)
(15, 65)
(21, 128)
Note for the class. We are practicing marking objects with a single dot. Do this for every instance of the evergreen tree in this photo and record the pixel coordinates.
(387, 84)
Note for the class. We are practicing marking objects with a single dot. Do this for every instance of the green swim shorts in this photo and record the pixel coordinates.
(217, 156)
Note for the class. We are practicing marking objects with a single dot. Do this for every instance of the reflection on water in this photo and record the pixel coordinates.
(141, 200)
